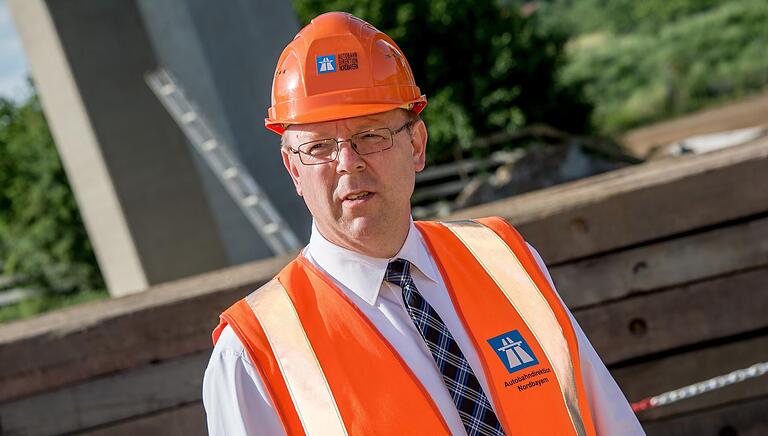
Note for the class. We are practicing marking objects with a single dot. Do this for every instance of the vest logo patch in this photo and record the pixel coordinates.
(513, 351)
(326, 64)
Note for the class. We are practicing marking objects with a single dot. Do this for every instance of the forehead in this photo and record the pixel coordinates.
(298, 133)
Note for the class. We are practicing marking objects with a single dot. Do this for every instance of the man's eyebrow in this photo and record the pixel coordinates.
(370, 119)
(367, 123)
(371, 123)
(309, 137)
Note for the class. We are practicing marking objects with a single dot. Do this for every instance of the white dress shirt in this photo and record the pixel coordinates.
(237, 402)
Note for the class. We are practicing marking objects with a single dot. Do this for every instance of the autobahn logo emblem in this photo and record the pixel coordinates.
(513, 351)
(326, 64)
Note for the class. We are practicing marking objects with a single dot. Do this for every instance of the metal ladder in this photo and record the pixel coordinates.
(225, 164)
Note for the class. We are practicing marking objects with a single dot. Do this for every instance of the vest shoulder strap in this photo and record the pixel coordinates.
(506, 257)
(269, 328)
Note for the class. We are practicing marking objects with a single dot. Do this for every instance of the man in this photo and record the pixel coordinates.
(383, 325)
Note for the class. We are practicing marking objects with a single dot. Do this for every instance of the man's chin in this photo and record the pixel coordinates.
(372, 235)
(365, 226)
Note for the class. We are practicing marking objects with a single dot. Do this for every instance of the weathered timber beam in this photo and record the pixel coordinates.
(187, 420)
(637, 204)
(663, 264)
(651, 378)
(742, 419)
(108, 399)
(678, 317)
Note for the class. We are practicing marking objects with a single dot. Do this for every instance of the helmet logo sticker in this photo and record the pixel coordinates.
(326, 64)
(348, 61)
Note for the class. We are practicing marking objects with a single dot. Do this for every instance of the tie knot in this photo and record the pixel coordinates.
(398, 272)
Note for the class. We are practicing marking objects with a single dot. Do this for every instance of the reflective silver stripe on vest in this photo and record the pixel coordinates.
(501, 263)
(311, 395)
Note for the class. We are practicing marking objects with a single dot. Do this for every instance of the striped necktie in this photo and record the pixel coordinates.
(473, 406)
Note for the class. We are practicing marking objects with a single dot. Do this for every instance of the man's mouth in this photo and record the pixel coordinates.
(358, 196)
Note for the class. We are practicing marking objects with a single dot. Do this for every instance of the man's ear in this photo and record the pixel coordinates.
(292, 167)
(419, 142)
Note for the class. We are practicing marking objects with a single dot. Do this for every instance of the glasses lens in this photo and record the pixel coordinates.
(372, 141)
(318, 151)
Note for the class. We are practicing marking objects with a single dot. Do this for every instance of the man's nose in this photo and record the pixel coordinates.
(349, 160)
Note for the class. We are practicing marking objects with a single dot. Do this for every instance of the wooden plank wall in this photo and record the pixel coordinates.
(665, 265)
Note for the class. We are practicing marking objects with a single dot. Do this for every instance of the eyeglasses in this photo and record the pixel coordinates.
(366, 142)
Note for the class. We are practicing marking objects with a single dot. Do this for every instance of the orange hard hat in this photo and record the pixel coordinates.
(339, 66)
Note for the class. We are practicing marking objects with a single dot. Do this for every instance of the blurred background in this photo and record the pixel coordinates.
(140, 194)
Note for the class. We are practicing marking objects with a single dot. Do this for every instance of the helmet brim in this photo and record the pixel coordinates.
(342, 111)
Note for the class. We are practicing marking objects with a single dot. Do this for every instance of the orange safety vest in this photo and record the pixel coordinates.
(330, 371)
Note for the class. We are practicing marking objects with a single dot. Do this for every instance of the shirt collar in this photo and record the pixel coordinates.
(363, 274)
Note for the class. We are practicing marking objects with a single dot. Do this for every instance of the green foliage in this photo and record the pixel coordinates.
(684, 65)
(42, 238)
(576, 17)
(483, 66)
